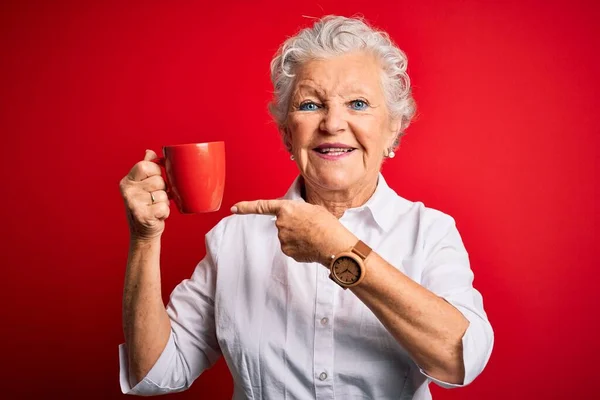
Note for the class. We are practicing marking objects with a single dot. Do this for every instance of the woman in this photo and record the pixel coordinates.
(270, 295)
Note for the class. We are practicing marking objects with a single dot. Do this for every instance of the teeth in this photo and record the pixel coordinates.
(334, 150)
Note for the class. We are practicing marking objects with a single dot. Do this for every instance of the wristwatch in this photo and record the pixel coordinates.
(347, 268)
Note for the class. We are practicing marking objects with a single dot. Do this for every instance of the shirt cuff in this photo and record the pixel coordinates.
(151, 384)
(447, 385)
(477, 343)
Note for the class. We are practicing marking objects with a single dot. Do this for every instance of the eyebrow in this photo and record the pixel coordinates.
(355, 88)
(309, 88)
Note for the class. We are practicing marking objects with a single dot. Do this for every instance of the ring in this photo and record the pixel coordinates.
(152, 197)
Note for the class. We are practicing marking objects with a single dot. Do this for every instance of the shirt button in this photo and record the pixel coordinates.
(324, 321)
(323, 376)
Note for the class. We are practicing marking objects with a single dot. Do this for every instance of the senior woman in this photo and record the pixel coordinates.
(340, 289)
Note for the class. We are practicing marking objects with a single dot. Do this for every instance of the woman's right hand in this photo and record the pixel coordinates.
(139, 188)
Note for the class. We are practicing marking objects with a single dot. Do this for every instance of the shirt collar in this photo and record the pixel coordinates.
(295, 191)
(380, 205)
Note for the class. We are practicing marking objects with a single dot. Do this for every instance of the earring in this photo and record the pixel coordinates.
(292, 157)
(391, 154)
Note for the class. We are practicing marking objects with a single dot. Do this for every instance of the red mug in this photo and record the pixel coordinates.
(195, 175)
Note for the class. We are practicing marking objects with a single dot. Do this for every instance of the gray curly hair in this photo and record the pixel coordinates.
(335, 35)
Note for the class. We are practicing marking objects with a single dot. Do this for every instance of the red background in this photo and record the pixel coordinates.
(506, 141)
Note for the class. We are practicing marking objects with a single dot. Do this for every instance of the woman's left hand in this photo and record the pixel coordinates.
(307, 233)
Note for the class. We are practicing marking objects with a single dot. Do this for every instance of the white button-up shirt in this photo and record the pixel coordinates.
(287, 331)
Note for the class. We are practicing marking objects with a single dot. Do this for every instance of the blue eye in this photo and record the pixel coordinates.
(359, 105)
(308, 106)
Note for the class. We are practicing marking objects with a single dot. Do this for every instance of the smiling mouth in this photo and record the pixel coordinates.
(334, 151)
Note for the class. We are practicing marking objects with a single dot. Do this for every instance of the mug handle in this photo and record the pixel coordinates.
(160, 161)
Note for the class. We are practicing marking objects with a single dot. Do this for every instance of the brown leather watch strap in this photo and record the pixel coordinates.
(361, 249)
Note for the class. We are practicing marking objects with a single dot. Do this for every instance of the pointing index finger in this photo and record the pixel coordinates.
(270, 207)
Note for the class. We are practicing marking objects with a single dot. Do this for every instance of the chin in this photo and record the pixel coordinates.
(334, 180)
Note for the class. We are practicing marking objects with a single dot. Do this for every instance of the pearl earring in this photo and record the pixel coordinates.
(391, 154)
(292, 157)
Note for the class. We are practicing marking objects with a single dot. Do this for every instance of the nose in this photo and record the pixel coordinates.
(334, 120)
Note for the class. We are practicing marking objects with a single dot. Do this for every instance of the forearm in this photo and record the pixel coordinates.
(145, 321)
(428, 327)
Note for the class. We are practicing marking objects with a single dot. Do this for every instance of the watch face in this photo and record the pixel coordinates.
(346, 269)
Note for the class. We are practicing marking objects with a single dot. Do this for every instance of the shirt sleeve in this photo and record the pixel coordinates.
(192, 346)
(448, 274)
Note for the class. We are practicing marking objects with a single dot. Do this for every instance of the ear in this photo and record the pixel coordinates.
(394, 133)
(286, 136)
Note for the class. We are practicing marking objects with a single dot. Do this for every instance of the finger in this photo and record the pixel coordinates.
(160, 196)
(143, 170)
(161, 210)
(155, 182)
(258, 207)
(150, 155)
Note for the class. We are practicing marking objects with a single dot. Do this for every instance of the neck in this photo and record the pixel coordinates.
(338, 201)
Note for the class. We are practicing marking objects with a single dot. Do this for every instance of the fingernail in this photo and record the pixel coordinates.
(234, 209)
